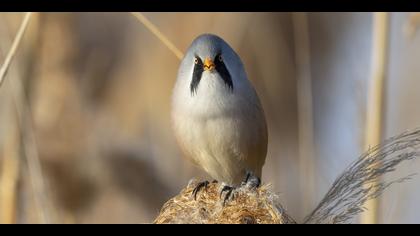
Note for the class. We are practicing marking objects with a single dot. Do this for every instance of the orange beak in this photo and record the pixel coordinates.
(208, 64)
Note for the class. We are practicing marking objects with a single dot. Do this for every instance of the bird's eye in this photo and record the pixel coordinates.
(195, 60)
(220, 58)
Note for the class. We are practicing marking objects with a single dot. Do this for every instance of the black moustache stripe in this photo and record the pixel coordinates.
(223, 72)
(220, 68)
(196, 77)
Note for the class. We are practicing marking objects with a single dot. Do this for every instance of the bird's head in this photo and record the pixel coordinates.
(210, 58)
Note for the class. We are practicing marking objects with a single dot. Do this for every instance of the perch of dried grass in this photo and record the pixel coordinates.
(248, 206)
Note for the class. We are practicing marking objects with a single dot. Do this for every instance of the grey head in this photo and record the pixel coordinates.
(209, 53)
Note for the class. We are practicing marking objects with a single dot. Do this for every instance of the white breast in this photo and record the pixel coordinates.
(223, 132)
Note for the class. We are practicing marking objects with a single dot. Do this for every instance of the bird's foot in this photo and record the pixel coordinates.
(251, 181)
(229, 193)
(199, 186)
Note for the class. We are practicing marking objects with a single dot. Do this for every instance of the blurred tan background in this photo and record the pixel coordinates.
(94, 90)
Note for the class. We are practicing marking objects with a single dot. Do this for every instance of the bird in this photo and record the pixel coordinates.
(217, 117)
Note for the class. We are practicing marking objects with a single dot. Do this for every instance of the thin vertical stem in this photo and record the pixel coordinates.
(306, 149)
(375, 99)
(9, 177)
(305, 113)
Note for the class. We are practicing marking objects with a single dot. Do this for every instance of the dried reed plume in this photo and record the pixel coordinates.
(358, 183)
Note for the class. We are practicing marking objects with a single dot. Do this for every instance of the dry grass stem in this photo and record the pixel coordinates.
(15, 45)
(150, 26)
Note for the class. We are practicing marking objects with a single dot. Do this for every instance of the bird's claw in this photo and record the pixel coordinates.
(229, 190)
(199, 186)
(251, 181)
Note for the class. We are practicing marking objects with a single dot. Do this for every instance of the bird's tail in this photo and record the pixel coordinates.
(358, 184)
